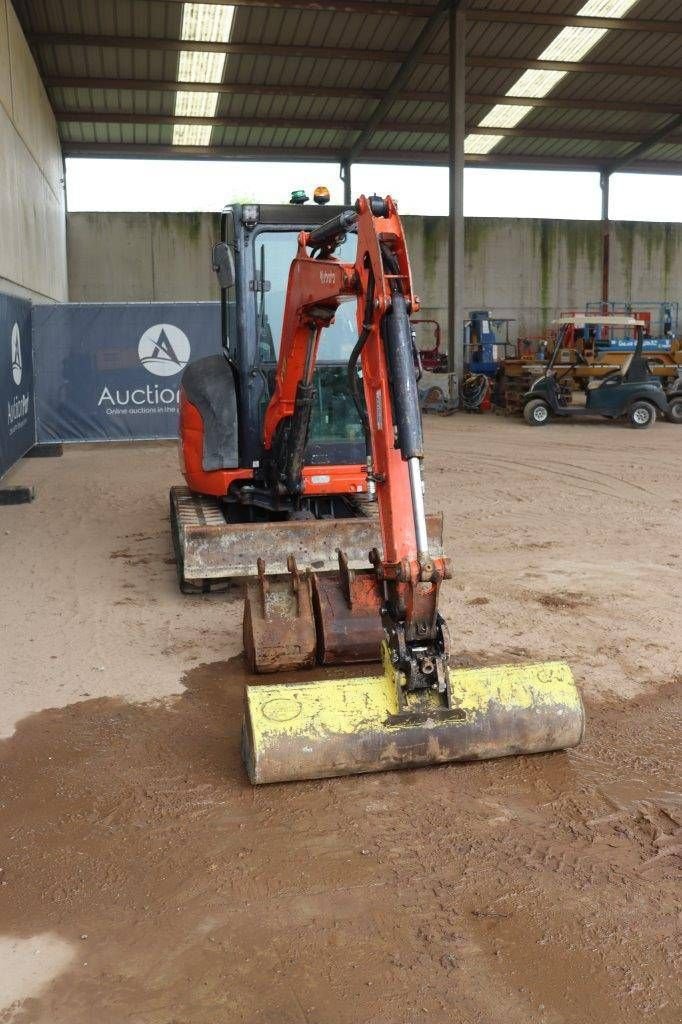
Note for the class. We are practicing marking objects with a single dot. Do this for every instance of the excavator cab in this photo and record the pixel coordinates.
(263, 239)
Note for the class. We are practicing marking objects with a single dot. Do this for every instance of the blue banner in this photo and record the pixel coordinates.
(17, 418)
(628, 345)
(111, 371)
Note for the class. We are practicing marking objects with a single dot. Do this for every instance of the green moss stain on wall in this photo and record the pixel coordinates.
(567, 261)
(652, 240)
(184, 225)
(646, 253)
(193, 227)
(659, 244)
(669, 249)
(178, 227)
(582, 240)
(477, 256)
(431, 250)
(546, 250)
(626, 249)
(476, 233)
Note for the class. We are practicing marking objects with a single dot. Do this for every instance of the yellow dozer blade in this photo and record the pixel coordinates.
(345, 727)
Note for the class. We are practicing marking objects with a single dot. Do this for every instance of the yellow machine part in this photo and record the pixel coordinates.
(345, 727)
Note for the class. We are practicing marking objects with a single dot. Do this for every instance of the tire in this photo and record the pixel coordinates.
(641, 415)
(536, 412)
(675, 409)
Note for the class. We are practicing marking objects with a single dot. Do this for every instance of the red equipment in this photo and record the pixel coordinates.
(432, 359)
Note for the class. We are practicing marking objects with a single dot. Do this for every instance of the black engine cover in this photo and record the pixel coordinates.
(210, 386)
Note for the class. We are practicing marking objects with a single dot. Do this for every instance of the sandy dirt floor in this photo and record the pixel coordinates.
(143, 880)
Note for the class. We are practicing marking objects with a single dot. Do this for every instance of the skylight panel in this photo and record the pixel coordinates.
(571, 44)
(503, 116)
(200, 23)
(191, 135)
(207, 23)
(481, 143)
(606, 8)
(535, 83)
(195, 104)
(198, 66)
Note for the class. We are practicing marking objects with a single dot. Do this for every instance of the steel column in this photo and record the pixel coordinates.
(345, 176)
(604, 181)
(457, 76)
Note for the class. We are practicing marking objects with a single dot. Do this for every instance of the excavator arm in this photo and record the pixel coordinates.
(408, 577)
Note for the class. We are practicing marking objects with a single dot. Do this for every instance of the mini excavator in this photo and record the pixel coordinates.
(303, 472)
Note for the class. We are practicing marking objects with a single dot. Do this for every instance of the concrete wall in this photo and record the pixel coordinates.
(32, 206)
(141, 257)
(531, 270)
(525, 269)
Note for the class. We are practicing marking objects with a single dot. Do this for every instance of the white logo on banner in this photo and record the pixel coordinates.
(164, 350)
(17, 366)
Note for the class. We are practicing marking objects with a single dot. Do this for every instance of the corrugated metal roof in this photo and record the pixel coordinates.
(292, 90)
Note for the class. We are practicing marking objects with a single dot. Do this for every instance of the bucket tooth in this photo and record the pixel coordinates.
(348, 615)
(279, 625)
(326, 728)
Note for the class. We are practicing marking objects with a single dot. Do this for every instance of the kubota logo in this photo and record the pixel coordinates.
(164, 350)
(17, 365)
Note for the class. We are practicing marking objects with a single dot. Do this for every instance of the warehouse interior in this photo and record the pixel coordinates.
(141, 869)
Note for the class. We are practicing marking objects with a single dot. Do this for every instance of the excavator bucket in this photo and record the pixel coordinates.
(345, 727)
(295, 620)
(278, 625)
(347, 608)
(210, 551)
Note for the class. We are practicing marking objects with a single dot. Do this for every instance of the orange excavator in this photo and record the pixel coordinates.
(340, 562)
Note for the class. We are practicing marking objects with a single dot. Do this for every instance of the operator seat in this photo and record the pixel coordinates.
(622, 373)
(627, 364)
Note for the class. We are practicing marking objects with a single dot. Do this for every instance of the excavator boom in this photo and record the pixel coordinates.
(406, 576)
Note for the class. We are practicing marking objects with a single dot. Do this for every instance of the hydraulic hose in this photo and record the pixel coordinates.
(473, 390)
(353, 382)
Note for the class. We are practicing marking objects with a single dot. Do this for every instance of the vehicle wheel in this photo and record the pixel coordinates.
(675, 410)
(536, 412)
(641, 415)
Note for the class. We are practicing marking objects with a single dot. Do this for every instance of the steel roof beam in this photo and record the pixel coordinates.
(334, 6)
(473, 99)
(664, 134)
(574, 21)
(473, 60)
(400, 79)
(315, 124)
(369, 7)
(258, 48)
(576, 67)
(227, 88)
(204, 46)
(569, 103)
(374, 156)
